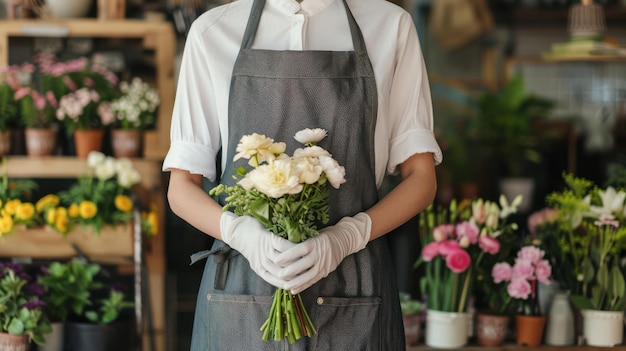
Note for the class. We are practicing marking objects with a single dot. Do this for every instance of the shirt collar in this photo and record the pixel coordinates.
(307, 7)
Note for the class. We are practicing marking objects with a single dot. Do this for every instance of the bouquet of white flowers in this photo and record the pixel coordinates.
(289, 196)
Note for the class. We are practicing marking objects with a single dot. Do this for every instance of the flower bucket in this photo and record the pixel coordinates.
(98, 337)
(603, 328)
(10, 342)
(88, 140)
(447, 330)
(491, 330)
(529, 329)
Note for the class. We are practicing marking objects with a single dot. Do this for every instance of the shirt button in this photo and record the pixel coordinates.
(320, 301)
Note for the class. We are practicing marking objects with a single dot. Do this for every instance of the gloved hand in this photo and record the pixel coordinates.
(308, 262)
(257, 244)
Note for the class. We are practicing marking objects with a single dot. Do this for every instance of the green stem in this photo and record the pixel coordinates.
(465, 289)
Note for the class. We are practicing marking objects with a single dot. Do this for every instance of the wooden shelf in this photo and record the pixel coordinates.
(560, 15)
(155, 36)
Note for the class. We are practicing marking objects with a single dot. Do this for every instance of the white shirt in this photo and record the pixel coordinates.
(200, 117)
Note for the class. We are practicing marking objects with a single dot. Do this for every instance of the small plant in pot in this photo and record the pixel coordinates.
(21, 309)
(411, 315)
(68, 289)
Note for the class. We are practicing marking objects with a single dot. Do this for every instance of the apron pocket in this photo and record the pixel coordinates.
(347, 323)
(234, 322)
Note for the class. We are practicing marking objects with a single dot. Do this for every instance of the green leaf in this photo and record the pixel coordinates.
(581, 302)
(597, 294)
(603, 277)
(587, 270)
(16, 327)
(617, 281)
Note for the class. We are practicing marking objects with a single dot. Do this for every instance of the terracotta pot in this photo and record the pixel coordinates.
(529, 329)
(10, 342)
(5, 142)
(126, 143)
(40, 141)
(491, 330)
(411, 328)
(88, 140)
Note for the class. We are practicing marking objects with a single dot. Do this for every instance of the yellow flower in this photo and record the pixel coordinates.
(123, 203)
(50, 200)
(50, 215)
(153, 219)
(11, 206)
(25, 211)
(6, 224)
(73, 211)
(87, 209)
(62, 224)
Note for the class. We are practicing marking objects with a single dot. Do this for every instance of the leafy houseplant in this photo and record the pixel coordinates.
(68, 287)
(505, 129)
(21, 310)
(14, 209)
(36, 110)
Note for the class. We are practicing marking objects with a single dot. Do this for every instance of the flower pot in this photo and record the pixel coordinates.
(529, 329)
(40, 141)
(447, 330)
(126, 143)
(69, 8)
(97, 337)
(54, 340)
(88, 140)
(411, 328)
(603, 328)
(491, 330)
(5, 142)
(10, 342)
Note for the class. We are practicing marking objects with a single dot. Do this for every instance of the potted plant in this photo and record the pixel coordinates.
(68, 287)
(521, 278)
(21, 311)
(454, 242)
(37, 114)
(8, 106)
(14, 207)
(134, 112)
(506, 130)
(104, 195)
(411, 315)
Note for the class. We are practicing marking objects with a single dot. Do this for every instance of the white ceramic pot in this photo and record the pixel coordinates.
(446, 330)
(54, 340)
(70, 8)
(603, 328)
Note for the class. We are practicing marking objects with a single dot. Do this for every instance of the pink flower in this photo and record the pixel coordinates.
(540, 218)
(469, 230)
(523, 269)
(448, 246)
(519, 289)
(479, 211)
(501, 272)
(530, 253)
(489, 244)
(543, 271)
(443, 232)
(458, 260)
(430, 251)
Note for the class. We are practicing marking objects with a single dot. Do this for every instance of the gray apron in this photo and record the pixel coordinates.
(278, 93)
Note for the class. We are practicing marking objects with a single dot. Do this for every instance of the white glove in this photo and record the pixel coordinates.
(257, 244)
(313, 259)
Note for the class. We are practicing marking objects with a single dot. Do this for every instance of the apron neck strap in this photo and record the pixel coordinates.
(255, 17)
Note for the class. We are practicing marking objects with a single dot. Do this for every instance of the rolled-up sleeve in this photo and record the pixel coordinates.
(411, 112)
(195, 133)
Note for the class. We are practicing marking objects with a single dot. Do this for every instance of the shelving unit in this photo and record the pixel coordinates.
(122, 246)
(155, 36)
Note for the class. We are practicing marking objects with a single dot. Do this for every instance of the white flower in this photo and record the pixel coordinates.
(122, 164)
(612, 201)
(509, 210)
(274, 179)
(309, 169)
(106, 169)
(257, 148)
(95, 158)
(313, 151)
(128, 177)
(335, 173)
(308, 136)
